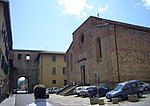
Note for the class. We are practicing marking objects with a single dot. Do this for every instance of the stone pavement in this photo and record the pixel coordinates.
(9, 101)
(79, 101)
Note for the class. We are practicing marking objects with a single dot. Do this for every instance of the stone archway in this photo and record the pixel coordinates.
(25, 65)
(30, 82)
(22, 84)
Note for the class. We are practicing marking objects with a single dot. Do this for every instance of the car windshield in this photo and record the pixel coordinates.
(91, 88)
(118, 87)
(104, 87)
(79, 88)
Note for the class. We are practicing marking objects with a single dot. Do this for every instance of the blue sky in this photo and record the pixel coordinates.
(49, 24)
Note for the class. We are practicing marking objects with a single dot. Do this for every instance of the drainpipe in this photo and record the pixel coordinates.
(116, 48)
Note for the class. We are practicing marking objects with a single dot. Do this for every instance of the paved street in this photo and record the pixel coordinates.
(58, 100)
(23, 99)
(79, 101)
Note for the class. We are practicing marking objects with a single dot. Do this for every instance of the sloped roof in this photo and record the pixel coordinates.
(131, 26)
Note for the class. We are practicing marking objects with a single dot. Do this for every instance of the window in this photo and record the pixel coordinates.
(82, 39)
(53, 58)
(19, 56)
(28, 57)
(64, 70)
(53, 71)
(126, 87)
(3, 30)
(65, 82)
(98, 49)
(53, 81)
(65, 58)
(71, 61)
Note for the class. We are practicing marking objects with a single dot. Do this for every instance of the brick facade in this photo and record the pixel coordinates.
(109, 52)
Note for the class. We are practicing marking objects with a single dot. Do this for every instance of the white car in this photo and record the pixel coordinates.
(77, 90)
(47, 94)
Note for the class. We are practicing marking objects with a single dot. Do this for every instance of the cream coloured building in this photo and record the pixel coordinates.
(52, 69)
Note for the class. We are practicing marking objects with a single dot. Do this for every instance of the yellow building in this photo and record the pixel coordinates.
(52, 69)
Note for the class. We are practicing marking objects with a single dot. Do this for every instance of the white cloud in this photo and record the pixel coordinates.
(102, 8)
(146, 3)
(75, 7)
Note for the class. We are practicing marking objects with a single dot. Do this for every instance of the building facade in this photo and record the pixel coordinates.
(106, 52)
(5, 49)
(25, 65)
(52, 69)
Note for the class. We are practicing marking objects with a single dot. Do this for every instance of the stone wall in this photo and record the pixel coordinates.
(25, 67)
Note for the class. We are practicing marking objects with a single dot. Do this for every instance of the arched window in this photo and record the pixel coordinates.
(98, 49)
(82, 38)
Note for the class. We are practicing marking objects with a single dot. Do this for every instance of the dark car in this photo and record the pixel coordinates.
(88, 91)
(103, 90)
(124, 89)
(99, 91)
(93, 91)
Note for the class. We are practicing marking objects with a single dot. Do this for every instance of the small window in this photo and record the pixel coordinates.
(19, 56)
(82, 39)
(65, 58)
(64, 70)
(53, 81)
(65, 82)
(53, 58)
(98, 49)
(28, 57)
(53, 72)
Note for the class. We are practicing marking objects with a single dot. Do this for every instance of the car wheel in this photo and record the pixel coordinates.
(139, 94)
(146, 88)
(119, 98)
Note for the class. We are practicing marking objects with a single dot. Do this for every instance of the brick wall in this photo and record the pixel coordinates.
(125, 52)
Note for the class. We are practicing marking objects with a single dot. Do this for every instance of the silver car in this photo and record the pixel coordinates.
(145, 86)
(77, 90)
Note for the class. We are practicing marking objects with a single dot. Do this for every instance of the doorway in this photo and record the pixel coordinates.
(22, 85)
(83, 77)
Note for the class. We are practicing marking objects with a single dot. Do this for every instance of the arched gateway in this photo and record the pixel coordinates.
(25, 64)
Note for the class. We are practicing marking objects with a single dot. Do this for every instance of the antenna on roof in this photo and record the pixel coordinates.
(98, 15)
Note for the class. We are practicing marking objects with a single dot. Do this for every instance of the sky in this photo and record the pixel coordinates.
(49, 24)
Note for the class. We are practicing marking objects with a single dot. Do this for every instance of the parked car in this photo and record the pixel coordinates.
(77, 90)
(88, 91)
(52, 90)
(55, 89)
(145, 86)
(103, 90)
(49, 90)
(94, 91)
(47, 94)
(124, 89)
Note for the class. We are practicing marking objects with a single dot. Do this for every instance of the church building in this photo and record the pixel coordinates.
(105, 52)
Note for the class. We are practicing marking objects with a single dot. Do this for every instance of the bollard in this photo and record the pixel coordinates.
(115, 100)
(93, 101)
(101, 101)
(132, 98)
